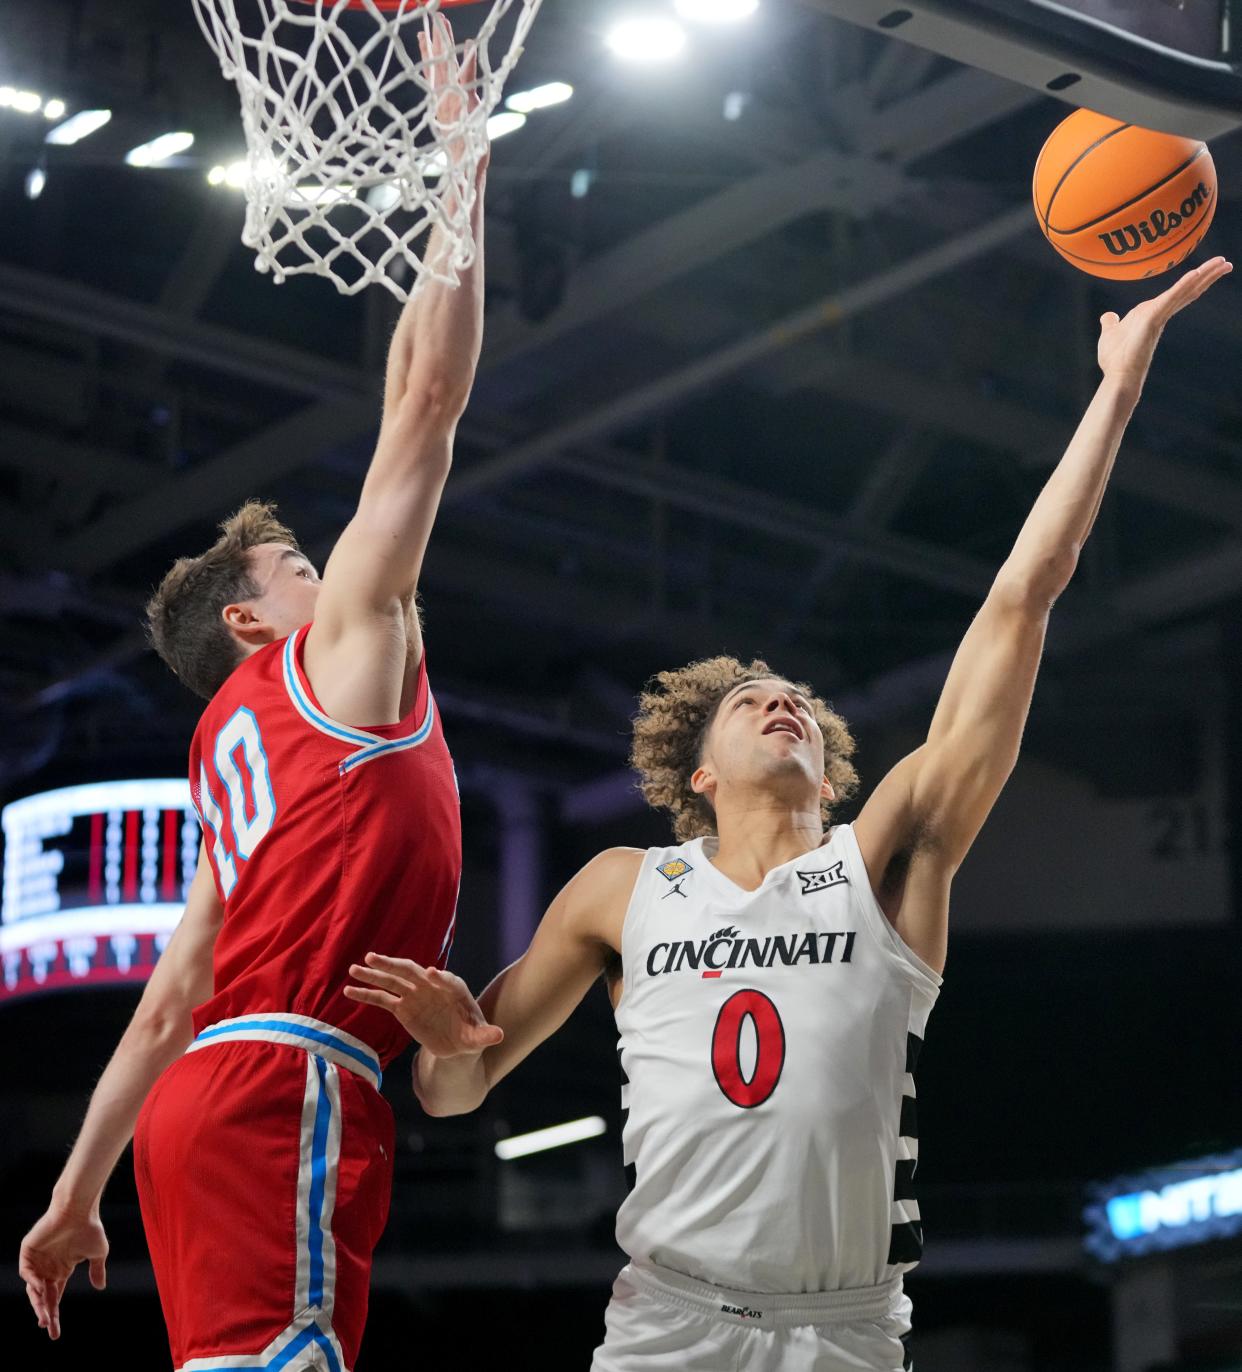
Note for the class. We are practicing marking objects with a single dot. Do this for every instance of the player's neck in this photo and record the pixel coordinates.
(758, 835)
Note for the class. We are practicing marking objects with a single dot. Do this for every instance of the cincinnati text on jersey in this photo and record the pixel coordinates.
(727, 949)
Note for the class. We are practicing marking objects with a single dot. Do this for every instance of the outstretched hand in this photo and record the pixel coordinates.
(54, 1247)
(453, 83)
(435, 1008)
(1128, 345)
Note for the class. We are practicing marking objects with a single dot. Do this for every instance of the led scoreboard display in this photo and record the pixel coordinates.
(95, 880)
(1167, 1207)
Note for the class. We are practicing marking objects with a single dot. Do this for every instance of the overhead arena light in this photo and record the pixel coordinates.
(554, 1137)
(540, 98)
(647, 38)
(313, 193)
(716, 11)
(383, 197)
(505, 122)
(54, 109)
(77, 126)
(159, 150)
(36, 179)
(24, 102)
(234, 175)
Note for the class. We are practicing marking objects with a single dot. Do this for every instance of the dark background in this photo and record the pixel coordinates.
(838, 504)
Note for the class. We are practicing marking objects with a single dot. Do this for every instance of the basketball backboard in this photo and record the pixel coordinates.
(1173, 65)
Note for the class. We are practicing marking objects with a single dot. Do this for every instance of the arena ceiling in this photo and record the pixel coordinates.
(783, 383)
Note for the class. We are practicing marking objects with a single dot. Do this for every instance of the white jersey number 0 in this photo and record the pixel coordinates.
(747, 1092)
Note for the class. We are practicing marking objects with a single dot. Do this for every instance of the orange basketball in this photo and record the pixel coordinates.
(1119, 201)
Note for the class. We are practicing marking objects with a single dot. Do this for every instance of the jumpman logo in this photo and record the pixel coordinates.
(676, 891)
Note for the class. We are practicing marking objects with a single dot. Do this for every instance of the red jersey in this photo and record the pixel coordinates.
(326, 841)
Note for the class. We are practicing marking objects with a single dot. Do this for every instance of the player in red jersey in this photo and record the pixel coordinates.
(331, 826)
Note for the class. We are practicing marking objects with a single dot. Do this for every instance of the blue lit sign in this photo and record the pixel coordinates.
(1168, 1207)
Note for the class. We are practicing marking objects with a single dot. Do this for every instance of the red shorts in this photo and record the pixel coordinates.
(265, 1172)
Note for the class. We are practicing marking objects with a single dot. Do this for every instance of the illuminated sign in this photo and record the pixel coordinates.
(1168, 1207)
(95, 880)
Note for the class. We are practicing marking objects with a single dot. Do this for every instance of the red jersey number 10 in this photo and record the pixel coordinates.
(246, 805)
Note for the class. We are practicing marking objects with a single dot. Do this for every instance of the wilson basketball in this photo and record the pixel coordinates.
(1119, 201)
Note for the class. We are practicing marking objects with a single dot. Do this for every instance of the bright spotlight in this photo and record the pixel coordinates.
(555, 1137)
(159, 150)
(236, 176)
(647, 38)
(77, 126)
(312, 193)
(716, 11)
(500, 124)
(434, 167)
(540, 98)
(36, 179)
(384, 197)
(26, 102)
(53, 109)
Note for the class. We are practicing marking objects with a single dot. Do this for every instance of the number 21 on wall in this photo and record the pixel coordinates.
(240, 762)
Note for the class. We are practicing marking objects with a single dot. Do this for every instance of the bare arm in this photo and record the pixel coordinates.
(467, 1047)
(159, 1032)
(922, 819)
(363, 646)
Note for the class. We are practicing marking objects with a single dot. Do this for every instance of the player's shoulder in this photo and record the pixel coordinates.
(612, 869)
(597, 895)
(614, 864)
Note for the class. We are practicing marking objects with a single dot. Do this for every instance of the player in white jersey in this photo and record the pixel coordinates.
(772, 976)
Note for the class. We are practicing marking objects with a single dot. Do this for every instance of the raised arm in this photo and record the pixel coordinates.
(364, 645)
(921, 820)
(467, 1047)
(161, 1029)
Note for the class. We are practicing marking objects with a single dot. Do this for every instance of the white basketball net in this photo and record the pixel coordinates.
(349, 165)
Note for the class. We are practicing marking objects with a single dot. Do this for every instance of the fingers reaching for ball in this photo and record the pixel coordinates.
(1192, 285)
(1128, 344)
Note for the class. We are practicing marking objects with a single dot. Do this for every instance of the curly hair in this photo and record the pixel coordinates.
(675, 712)
(184, 619)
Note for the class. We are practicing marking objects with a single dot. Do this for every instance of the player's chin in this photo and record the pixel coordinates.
(791, 766)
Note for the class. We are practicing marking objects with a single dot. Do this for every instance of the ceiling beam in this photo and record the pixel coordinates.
(210, 486)
(657, 397)
(1036, 438)
(217, 484)
(889, 480)
(40, 454)
(731, 502)
(710, 229)
(857, 184)
(289, 370)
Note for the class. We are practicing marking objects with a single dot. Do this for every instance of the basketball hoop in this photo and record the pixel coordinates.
(348, 164)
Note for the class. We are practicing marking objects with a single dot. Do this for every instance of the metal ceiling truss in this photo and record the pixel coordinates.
(345, 401)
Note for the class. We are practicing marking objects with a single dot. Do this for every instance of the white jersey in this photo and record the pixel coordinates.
(768, 1042)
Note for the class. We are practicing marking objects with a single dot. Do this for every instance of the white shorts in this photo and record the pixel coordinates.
(661, 1321)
